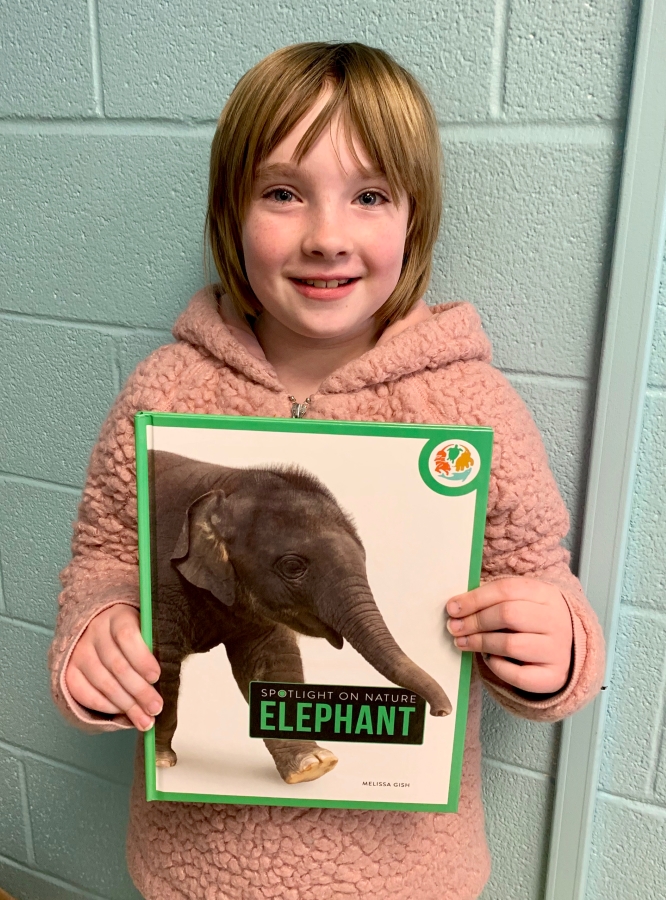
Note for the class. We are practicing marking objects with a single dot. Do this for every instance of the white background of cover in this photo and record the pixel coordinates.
(418, 546)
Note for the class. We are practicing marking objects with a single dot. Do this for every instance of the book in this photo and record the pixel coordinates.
(293, 579)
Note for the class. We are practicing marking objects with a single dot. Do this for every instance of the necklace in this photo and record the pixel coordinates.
(298, 410)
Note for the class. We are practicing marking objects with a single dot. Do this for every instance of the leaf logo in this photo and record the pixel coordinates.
(454, 463)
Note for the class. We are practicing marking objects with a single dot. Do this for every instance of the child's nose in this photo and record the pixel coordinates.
(327, 236)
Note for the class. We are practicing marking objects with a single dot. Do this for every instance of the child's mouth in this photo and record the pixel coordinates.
(320, 289)
(315, 282)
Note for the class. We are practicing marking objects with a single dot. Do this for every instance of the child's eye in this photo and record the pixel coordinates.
(372, 198)
(281, 195)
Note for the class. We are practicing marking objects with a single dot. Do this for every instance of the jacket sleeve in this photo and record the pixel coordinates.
(525, 524)
(104, 567)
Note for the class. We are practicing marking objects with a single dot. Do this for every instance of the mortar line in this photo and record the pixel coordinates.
(516, 770)
(599, 134)
(498, 58)
(98, 126)
(564, 381)
(657, 741)
(655, 390)
(51, 879)
(643, 612)
(660, 754)
(96, 57)
(22, 753)
(3, 605)
(35, 627)
(98, 327)
(115, 369)
(537, 132)
(27, 822)
(13, 478)
(634, 805)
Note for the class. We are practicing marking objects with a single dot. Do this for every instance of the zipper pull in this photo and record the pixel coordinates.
(298, 410)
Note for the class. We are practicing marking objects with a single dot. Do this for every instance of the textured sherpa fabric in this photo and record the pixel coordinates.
(433, 367)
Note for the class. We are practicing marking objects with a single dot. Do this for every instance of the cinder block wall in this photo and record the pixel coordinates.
(106, 115)
(629, 845)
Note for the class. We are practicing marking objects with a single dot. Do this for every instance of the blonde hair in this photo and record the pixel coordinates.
(377, 100)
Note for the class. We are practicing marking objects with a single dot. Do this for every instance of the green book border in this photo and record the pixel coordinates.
(481, 437)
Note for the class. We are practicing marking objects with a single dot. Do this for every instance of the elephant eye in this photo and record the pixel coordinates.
(292, 567)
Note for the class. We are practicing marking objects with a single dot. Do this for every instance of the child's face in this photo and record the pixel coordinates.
(323, 220)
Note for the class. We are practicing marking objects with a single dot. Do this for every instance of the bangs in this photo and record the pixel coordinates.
(373, 108)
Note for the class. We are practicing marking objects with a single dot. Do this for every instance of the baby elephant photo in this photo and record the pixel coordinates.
(250, 558)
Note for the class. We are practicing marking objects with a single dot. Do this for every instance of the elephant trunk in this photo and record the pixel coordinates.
(361, 623)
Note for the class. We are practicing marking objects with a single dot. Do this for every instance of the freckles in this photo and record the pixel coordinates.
(262, 244)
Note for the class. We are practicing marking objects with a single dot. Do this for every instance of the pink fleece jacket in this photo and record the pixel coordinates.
(432, 367)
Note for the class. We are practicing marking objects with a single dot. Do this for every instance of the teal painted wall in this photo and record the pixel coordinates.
(629, 837)
(106, 115)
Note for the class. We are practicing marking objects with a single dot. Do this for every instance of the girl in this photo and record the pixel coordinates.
(324, 205)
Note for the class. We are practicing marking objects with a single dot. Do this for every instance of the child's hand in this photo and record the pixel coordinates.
(521, 626)
(112, 670)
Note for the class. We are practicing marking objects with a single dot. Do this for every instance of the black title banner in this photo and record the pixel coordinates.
(333, 712)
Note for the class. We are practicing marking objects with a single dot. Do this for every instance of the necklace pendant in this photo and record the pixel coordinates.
(298, 410)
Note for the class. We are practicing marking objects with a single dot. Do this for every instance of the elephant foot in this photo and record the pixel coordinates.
(305, 762)
(310, 765)
(164, 759)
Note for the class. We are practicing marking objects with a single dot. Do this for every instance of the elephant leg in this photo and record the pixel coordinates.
(274, 656)
(165, 723)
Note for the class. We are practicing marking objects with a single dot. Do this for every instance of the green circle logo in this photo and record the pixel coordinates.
(449, 467)
(282, 693)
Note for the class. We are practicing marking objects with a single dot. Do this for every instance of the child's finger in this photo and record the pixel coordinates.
(137, 716)
(533, 679)
(493, 592)
(85, 694)
(128, 679)
(127, 635)
(529, 648)
(106, 684)
(89, 696)
(139, 719)
(514, 615)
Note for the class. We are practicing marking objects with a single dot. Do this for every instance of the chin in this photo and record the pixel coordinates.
(331, 332)
(329, 323)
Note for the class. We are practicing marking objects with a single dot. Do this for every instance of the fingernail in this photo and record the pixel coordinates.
(153, 677)
(145, 724)
(461, 642)
(454, 625)
(453, 607)
(155, 708)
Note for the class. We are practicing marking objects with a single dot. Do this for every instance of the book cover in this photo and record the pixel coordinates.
(293, 580)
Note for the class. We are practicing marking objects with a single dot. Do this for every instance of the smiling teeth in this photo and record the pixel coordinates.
(326, 284)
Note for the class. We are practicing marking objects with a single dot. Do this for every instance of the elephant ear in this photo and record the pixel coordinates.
(201, 554)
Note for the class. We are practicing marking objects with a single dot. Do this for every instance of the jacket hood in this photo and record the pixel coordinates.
(429, 337)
